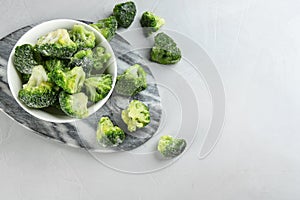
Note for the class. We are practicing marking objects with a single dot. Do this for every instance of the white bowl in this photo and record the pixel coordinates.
(30, 37)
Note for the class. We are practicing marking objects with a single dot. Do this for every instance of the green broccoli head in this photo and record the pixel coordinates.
(165, 50)
(97, 87)
(100, 58)
(70, 81)
(137, 115)
(74, 105)
(84, 59)
(38, 92)
(82, 37)
(109, 135)
(170, 147)
(132, 81)
(25, 58)
(124, 13)
(151, 22)
(107, 27)
(55, 63)
(56, 44)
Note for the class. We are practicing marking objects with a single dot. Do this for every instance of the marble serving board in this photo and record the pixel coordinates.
(82, 133)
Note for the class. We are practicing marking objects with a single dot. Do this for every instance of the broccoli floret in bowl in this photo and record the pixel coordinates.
(98, 86)
(38, 92)
(58, 68)
(25, 58)
(74, 105)
(82, 37)
(56, 44)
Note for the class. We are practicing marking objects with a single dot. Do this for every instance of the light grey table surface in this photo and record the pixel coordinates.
(254, 45)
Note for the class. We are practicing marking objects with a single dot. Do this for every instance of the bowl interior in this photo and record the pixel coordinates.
(30, 37)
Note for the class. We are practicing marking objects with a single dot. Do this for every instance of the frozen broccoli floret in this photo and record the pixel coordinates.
(107, 27)
(56, 44)
(137, 115)
(151, 22)
(70, 81)
(25, 58)
(100, 58)
(82, 37)
(132, 81)
(97, 87)
(165, 50)
(25, 78)
(55, 63)
(170, 147)
(84, 59)
(38, 92)
(74, 105)
(124, 13)
(109, 135)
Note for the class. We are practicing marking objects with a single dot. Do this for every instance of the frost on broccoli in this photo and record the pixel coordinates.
(170, 147)
(56, 44)
(55, 63)
(132, 81)
(165, 50)
(100, 58)
(97, 87)
(137, 115)
(151, 22)
(38, 92)
(125, 13)
(84, 59)
(25, 58)
(82, 37)
(74, 105)
(70, 81)
(109, 135)
(107, 27)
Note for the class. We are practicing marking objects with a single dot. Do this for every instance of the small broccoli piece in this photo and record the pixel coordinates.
(56, 44)
(170, 147)
(100, 58)
(25, 58)
(97, 87)
(124, 13)
(82, 37)
(151, 22)
(109, 135)
(165, 50)
(107, 27)
(136, 115)
(132, 81)
(74, 105)
(38, 92)
(84, 59)
(25, 78)
(70, 81)
(55, 63)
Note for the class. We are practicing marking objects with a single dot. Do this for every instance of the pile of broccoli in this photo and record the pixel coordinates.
(64, 67)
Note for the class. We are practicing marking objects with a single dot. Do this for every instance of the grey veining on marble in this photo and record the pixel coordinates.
(82, 133)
